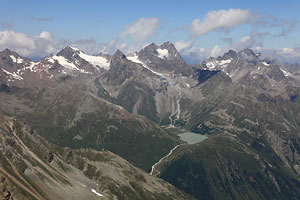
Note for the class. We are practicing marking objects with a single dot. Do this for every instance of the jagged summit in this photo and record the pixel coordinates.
(6, 51)
(165, 51)
(163, 58)
(67, 52)
(8, 54)
(230, 54)
(248, 54)
(118, 54)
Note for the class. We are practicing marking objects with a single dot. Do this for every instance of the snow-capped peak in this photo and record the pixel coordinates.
(75, 60)
(135, 58)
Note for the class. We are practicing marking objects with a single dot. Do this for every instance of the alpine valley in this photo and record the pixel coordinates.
(79, 126)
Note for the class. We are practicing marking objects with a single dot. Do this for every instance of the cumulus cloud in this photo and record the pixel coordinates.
(142, 29)
(45, 44)
(16, 41)
(38, 45)
(216, 51)
(222, 20)
(46, 35)
(225, 20)
(181, 45)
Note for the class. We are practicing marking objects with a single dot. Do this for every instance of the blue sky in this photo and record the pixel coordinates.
(95, 25)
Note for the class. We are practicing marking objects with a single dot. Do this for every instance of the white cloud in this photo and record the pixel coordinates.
(216, 51)
(44, 44)
(142, 29)
(180, 45)
(16, 41)
(40, 45)
(222, 20)
(46, 35)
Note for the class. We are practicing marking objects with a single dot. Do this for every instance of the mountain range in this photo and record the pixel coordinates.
(135, 107)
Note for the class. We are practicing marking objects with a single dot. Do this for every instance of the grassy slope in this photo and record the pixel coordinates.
(222, 168)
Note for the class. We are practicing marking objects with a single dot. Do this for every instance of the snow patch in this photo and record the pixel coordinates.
(13, 75)
(265, 63)
(16, 60)
(64, 62)
(135, 59)
(218, 63)
(31, 66)
(162, 53)
(95, 60)
(75, 49)
(50, 60)
(286, 73)
(97, 193)
(13, 58)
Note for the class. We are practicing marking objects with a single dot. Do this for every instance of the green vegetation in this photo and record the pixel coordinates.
(222, 168)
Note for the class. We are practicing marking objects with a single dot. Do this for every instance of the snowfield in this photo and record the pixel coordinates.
(162, 53)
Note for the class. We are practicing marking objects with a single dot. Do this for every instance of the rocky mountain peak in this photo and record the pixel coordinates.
(168, 45)
(172, 51)
(166, 51)
(248, 54)
(118, 59)
(11, 59)
(118, 55)
(230, 54)
(8, 53)
(67, 52)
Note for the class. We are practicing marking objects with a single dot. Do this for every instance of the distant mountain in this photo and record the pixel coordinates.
(163, 59)
(135, 106)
